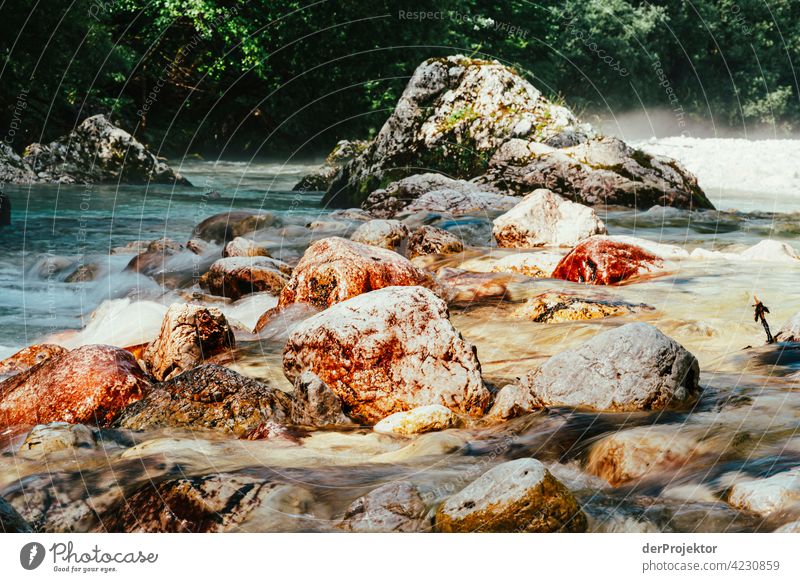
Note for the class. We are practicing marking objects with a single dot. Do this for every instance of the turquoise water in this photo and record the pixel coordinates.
(750, 396)
(55, 228)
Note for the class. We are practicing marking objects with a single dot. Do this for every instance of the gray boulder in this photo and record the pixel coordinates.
(315, 404)
(454, 113)
(98, 151)
(13, 169)
(601, 171)
(632, 367)
(394, 507)
(398, 195)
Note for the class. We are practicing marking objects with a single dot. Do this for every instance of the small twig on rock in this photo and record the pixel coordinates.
(760, 310)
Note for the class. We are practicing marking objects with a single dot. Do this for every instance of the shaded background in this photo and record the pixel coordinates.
(266, 77)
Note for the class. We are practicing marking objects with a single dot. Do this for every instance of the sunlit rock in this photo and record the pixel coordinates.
(388, 351)
(28, 357)
(89, 385)
(780, 492)
(517, 496)
(334, 270)
(602, 261)
(632, 367)
(546, 219)
(418, 420)
(559, 307)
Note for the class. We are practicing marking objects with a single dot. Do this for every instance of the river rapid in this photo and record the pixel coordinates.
(749, 409)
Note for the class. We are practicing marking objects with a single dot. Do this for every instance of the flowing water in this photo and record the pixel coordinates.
(749, 410)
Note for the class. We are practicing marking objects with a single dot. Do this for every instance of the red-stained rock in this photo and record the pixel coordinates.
(335, 269)
(28, 357)
(88, 385)
(190, 334)
(388, 351)
(602, 261)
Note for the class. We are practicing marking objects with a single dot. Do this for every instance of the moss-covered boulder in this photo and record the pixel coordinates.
(454, 113)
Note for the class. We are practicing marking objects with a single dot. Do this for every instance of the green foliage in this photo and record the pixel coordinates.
(261, 76)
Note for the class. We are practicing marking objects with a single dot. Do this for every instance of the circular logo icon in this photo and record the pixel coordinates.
(31, 555)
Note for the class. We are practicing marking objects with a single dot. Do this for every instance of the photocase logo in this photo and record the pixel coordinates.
(31, 555)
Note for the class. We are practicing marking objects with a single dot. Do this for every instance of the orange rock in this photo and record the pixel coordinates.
(602, 261)
(28, 357)
(88, 385)
(334, 269)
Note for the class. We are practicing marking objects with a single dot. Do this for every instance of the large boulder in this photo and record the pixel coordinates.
(387, 234)
(88, 385)
(335, 269)
(632, 367)
(222, 502)
(320, 179)
(190, 334)
(546, 219)
(598, 172)
(429, 240)
(28, 357)
(98, 151)
(208, 397)
(454, 113)
(315, 404)
(517, 496)
(600, 260)
(235, 277)
(387, 351)
(13, 169)
(394, 507)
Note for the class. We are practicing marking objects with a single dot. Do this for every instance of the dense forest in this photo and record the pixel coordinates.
(259, 77)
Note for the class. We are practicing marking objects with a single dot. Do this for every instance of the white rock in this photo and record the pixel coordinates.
(766, 496)
(543, 218)
(387, 234)
(418, 420)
